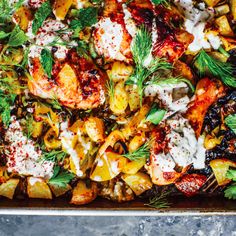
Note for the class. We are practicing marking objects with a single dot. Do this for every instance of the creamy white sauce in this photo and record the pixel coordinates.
(129, 22)
(22, 155)
(109, 39)
(46, 35)
(165, 95)
(184, 148)
(67, 137)
(196, 19)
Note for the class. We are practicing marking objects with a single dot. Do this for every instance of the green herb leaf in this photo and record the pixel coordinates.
(40, 16)
(159, 201)
(230, 121)
(142, 152)
(155, 115)
(17, 37)
(7, 100)
(163, 2)
(230, 192)
(54, 156)
(4, 35)
(87, 17)
(61, 179)
(222, 70)
(46, 61)
(111, 88)
(231, 174)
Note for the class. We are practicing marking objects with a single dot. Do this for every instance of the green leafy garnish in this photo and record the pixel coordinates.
(46, 61)
(7, 100)
(142, 152)
(231, 174)
(159, 201)
(29, 126)
(86, 18)
(230, 121)
(3, 35)
(155, 115)
(61, 179)
(17, 37)
(40, 16)
(230, 191)
(146, 65)
(222, 70)
(54, 156)
(111, 88)
(162, 2)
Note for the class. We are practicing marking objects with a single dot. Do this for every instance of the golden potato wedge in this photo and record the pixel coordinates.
(83, 194)
(224, 26)
(58, 190)
(22, 17)
(134, 166)
(61, 7)
(108, 166)
(38, 188)
(138, 182)
(211, 3)
(95, 129)
(233, 8)
(8, 188)
(220, 168)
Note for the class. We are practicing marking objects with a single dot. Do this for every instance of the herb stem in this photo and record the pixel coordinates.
(224, 52)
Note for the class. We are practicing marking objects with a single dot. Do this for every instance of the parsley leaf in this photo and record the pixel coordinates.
(61, 179)
(3, 35)
(40, 16)
(222, 70)
(7, 100)
(231, 174)
(163, 2)
(46, 61)
(230, 192)
(230, 121)
(155, 115)
(17, 37)
(54, 156)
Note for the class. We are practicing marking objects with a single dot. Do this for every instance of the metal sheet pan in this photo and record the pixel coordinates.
(199, 205)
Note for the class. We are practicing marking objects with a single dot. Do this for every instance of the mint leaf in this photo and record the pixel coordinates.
(46, 61)
(40, 16)
(17, 37)
(155, 115)
(230, 121)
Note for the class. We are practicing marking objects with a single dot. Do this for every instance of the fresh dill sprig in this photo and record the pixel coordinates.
(146, 65)
(159, 201)
(29, 126)
(222, 70)
(110, 88)
(55, 103)
(142, 152)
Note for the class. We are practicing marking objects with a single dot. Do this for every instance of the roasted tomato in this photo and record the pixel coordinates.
(76, 82)
(190, 184)
(207, 92)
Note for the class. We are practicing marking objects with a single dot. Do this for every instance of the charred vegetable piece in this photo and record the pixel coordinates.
(7, 189)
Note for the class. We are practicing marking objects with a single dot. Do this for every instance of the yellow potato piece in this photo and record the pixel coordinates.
(220, 168)
(211, 3)
(95, 129)
(61, 7)
(224, 26)
(134, 166)
(119, 102)
(38, 188)
(138, 182)
(233, 8)
(83, 194)
(108, 166)
(58, 190)
(22, 16)
(7, 189)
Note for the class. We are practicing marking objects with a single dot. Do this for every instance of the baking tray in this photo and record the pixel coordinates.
(199, 205)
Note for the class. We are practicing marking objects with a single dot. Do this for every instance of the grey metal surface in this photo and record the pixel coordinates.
(118, 226)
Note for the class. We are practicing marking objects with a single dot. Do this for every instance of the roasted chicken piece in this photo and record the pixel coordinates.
(76, 82)
(207, 92)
